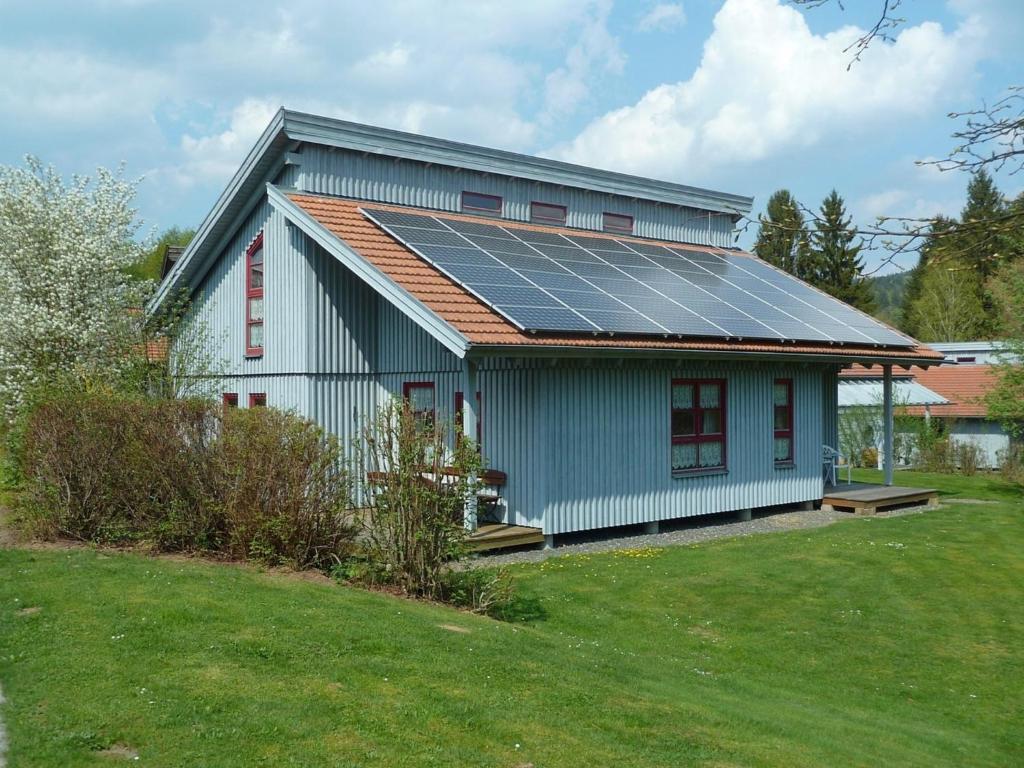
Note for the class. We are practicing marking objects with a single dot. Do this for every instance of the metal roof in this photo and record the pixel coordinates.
(868, 391)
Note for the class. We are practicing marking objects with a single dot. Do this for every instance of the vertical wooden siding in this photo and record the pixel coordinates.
(370, 177)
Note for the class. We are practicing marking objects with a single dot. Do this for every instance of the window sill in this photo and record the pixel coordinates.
(785, 465)
(253, 354)
(700, 472)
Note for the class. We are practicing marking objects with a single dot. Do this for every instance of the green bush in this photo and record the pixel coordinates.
(178, 474)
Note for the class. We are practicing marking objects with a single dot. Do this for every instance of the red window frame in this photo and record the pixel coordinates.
(700, 437)
(254, 292)
(481, 209)
(460, 399)
(425, 416)
(230, 399)
(544, 218)
(607, 224)
(258, 400)
(787, 430)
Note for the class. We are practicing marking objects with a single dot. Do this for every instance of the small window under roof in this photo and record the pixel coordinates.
(619, 223)
(547, 213)
(481, 204)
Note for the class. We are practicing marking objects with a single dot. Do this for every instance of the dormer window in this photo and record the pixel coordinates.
(617, 223)
(480, 204)
(547, 213)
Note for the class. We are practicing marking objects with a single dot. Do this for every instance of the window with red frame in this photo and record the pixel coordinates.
(230, 399)
(782, 399)
(619, 223)
(254, 298)
(420, 397)
(258, 400)
(481, 204)
(698, 425)
(547, 213)
(459, 401)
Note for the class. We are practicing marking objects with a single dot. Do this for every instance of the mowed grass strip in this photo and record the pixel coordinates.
(874, 641)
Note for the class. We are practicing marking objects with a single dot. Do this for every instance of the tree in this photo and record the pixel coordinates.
(1005, 400)
(67, 306)
(949, 307)
(782, 235)
(980, 247)
(839, 267)
(148, 266)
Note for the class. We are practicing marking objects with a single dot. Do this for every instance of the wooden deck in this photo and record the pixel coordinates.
(867, 498)
(501, 536)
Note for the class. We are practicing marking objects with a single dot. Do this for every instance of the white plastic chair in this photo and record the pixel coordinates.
(830, 460)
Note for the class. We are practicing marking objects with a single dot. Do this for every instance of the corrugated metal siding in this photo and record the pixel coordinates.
(383, 179)
(830, 407)
(219, 303)
(607, 440)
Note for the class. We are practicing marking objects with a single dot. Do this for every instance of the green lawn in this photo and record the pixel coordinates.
(870, 642)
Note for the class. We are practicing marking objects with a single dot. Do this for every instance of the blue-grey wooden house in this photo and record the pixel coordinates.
(629, 365)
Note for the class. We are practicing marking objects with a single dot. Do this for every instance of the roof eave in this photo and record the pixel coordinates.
(219, 223)
(568, 350)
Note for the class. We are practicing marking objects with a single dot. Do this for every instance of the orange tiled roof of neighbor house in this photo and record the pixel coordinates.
(482, 325)
(965, 386)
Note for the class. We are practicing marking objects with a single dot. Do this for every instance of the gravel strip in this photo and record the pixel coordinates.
(677, 533)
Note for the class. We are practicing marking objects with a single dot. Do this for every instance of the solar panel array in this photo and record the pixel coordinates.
(549, 281)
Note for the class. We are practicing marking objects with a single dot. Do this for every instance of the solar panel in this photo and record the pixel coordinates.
(546, 281)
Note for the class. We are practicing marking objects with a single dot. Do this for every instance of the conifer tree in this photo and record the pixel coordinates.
(839, 267)
(782, 235)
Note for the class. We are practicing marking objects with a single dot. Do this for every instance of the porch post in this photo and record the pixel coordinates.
(887, 421)
(468, 385)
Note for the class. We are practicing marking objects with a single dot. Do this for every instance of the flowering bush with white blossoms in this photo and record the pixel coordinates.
(67, 306)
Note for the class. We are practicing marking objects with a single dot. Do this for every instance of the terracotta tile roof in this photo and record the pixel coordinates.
(965, 386)
(483, 326)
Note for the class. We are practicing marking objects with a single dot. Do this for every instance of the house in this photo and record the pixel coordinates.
(628, 364)
(960, 386)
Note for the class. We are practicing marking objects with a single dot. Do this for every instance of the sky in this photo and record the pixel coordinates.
(744, 96)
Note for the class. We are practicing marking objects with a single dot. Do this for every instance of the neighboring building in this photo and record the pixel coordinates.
(970, 352)
(630, 366)
(962, 384)
(860, 412)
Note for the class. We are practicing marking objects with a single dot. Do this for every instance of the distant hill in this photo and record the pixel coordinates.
(889, 295)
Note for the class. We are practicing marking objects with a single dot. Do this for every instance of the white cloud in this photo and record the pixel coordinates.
(216, 157)
(78, 87)
(596, 50)
(903, 203)
(767, 84)
(661, 17)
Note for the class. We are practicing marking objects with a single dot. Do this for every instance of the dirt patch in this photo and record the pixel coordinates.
(454, 628)
(955, 500)
(32, 610)
(119, 752)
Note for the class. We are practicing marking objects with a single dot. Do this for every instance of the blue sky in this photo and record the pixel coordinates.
(741, 95)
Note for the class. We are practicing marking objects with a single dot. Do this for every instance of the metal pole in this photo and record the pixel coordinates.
(468, 427)
(887, 419)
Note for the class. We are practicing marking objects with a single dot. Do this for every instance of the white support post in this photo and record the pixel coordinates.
(468, 385)
(887, 422)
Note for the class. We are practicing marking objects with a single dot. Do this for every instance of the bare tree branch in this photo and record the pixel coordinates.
(993, 137)
(882, 29)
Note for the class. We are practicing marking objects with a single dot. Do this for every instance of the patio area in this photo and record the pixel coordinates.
(869, 498)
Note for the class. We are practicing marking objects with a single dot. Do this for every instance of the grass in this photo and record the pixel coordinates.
(891, 641)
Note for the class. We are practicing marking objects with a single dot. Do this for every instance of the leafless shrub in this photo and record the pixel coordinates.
(418, 481)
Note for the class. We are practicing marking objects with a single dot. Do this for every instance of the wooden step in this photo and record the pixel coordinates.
(500, 536)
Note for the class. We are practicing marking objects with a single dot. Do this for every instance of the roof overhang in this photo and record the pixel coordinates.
(838, 359)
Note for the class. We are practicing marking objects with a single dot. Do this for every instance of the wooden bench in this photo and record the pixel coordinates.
(492, 481)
